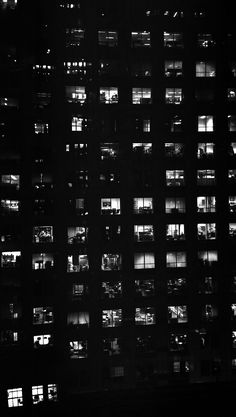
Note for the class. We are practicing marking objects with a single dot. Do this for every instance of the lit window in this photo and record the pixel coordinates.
(232, 149)
(111, 262)
(176, 260)
(75, 94)
(231, 94)
(205, 177)
(42, 234)
(174, 150)
(141, 95)
(42, 315)
(208, 258)
(173, 95)
(206, 204)
(232, 230)
(232, 203)
(176, 286)
(10, 259)
(15, 397)
(175, 232)
(175, 205)
(145, 316)
(177, 314)
(112, 346)
(173, 40)
(41, 128)
(205, 124)
(232, 123)
(74, 37)
(109, 95)
(173, 69)
(81, 68)
(110, 206)
(79, 124)
(42, 340)
(205, 150)
(109, 150)
(78, 318)
(107, 38)
(77, 263)
(176, 124)
(205, 69)
(140, 39)
(232, 68)
(112, 318)
(111, 289)
(206, 231)
(146, 125)
(9, 337)
(142, 149)
(175, 178)
(78, 349)
(52, 392)
(9, 206)
(77, 234)
(43, 70)
(205, 40)
(143, 233)
(144, 260)
(143, 205)
(175, 14)
(37, 394)
(232, 175)
(42, 261)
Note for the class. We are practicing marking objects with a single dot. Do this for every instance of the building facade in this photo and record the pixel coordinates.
(118, 197)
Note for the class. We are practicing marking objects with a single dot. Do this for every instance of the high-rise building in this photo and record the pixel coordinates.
(118, 197)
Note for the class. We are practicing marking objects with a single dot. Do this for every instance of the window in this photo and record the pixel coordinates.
(111, 262)
(173, 95)
(205, 69)
(206, 177)
(111, 289)
(77, 234)
(81, 68)
(42, 315)
(143, 233)
(37, 394)
(141, 69)
(173, 69)
(208, 258)
(232, 176)
(75, 94)
(42, 261)
(78, 318)
(10, 259)
(110, 206)
(77, 263)
(10, 180)
(209, 312)
(43, 207)
(79, 124)
(175, 205)
(111, 67)
(205, 124)
(15, 397)
(232, 230)
(109, 151)
(206, 231)
(178, 342)
(9, 337)
(109, 95)
(78, 150)
(141, 95)
(142, 149)
(145, 344)
(175, 124)
(205, 40)
(9, 206)
(145, 316)
(79, 291)
(175, 232)
(173, 40)
(144, 287)
(42, 181)
(111, 233)
(42, 70)
(207, 285)
(143, 205)
(112, 346)
(144, 260)
(205, 150)
(78, 349)
(42, 340)
(232, 123)
(231, 94)
(175, 178)
(232, 149)
(107, 38)
(206, 204)
(174, 150)
(140, 39)
(177, 314)
(42, 234)
(176, 260)
(71, 5)
(74, 37)
(52, 392)
(232, 204)
(42, 99)
(176, 286)
(117, 371)
(41, 128)
(111, 318)
(204, 95)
